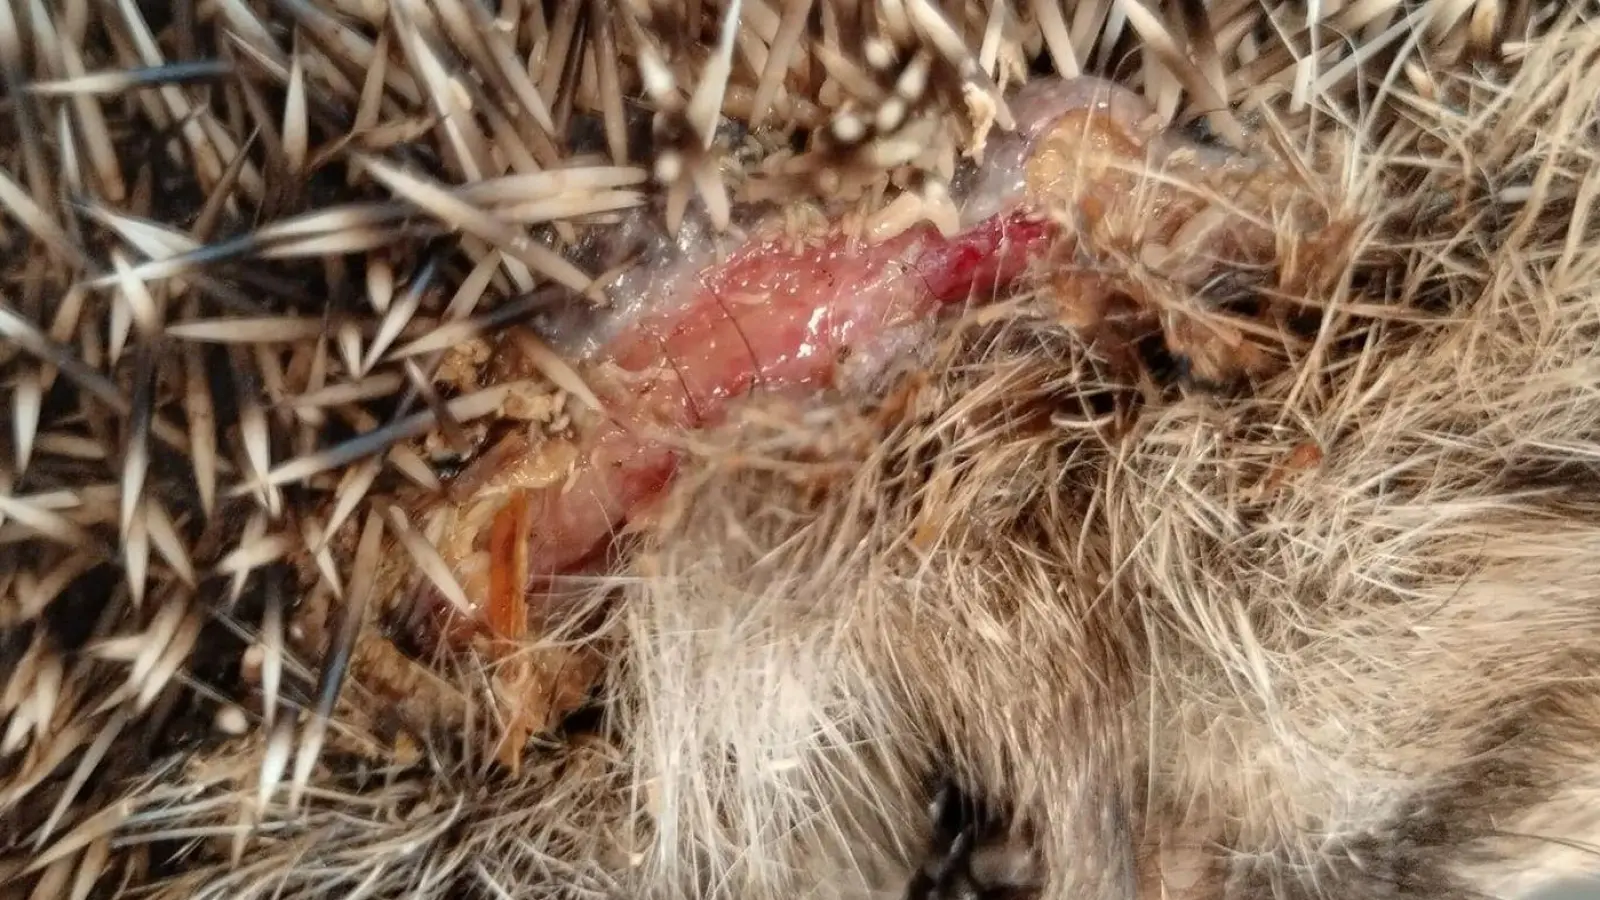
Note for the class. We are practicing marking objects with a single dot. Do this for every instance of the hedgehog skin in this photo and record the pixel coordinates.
(1321, 637)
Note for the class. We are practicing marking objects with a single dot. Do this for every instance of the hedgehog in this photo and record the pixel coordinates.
(1109, 449)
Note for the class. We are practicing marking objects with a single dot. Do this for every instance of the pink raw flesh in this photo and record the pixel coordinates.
(767, 320)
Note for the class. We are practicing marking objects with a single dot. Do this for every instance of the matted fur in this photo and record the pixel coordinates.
(1135, 619)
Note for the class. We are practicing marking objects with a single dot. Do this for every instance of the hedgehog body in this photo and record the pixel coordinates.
(1247, 550)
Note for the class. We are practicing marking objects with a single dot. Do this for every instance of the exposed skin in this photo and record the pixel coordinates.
(765, 321)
